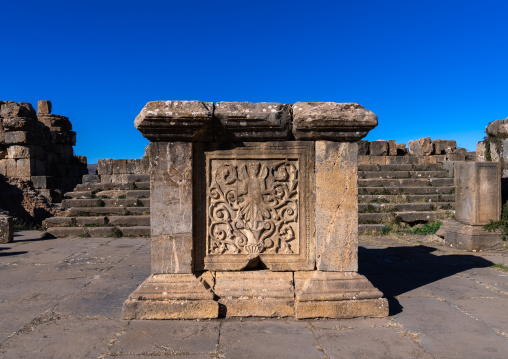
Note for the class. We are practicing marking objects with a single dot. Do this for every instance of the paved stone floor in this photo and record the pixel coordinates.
(62, 298)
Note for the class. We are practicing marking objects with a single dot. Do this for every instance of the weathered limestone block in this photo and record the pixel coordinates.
(401, 149)
(363, 148)
(378, 148)
(481, 152)
(17, 137)
(494, 152)
(20, 152)
(331, 121)
(392, 148)
(336, 206)
(6, 229)
(492, 128)
(422, 146)
(19, 124)
(337, 295)
(478, 192)
(181, 120)
(171, 296)
(43, 107)
(471, 238)
(11, 168)
(171, 207)
(444, 146)
(3, 153)
(247, 121)
(258, 293)
(17, 109)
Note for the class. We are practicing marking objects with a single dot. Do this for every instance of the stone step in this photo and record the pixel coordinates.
(406, 182)
(403, 174)
(96, 187)
(406, 198)
(106, 202)
(79, 194)
(137, 231)
(402, 167)
(106, 211)
(374, 228)
(417, 216)
(137, 193)
(368, 190)
(403, 207)
(129, 221)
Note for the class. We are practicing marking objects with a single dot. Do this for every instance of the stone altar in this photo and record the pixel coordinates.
(254, 211)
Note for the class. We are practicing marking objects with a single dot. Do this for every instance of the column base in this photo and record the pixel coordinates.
(255, 293)
(337, 295)
(171, 296)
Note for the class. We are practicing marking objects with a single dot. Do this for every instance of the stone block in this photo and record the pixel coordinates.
(422, 146)
(471, 238)
(3, 167)
(481, 152)
(336, 206)
(17, 137)
(363, 148)
(401, 149)
(3, 153)
(19, 124)
(90, 179)
(258, 293)
(444, 146)
(171, 203)
(17, 109)
(247, 121)
(171, 296)
(392, 148)
(378, 148)
(176, 121)
(11, 168)
(43, 107)
(494, 152)
(25, 167)
(171, 253)
(41, 182)
(492, 128)
(478, 192)
(6, 229)
(331, 121)
(337, 295)
(17, 152)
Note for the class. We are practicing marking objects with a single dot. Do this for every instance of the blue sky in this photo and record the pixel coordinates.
(426, 68)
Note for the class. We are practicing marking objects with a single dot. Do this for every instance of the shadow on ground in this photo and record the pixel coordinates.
(398, 270)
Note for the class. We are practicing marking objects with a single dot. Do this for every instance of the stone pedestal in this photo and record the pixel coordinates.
(254, 211)
(477, 202)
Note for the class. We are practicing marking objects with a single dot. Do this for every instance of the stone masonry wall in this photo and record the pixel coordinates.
(37, 161)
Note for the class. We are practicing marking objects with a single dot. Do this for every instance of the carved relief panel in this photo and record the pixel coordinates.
(255, 203)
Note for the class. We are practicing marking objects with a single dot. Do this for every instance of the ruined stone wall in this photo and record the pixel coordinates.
(494, 147)
(37, 161)
(423, 150)
(119, 171)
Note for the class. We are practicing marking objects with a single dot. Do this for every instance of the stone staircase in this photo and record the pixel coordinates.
(104, 210)
(403, 194)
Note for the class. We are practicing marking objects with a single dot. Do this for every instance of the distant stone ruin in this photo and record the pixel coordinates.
(37, 162)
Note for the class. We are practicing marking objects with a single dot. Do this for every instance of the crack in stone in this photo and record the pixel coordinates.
(318, 347)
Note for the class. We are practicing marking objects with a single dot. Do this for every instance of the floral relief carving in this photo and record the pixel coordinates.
(252, 207)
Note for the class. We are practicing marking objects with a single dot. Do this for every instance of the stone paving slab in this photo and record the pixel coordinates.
(62, 298)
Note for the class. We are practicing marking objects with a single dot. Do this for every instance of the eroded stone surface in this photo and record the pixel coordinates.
(247, 121)
(422, 146)
(331, 121)
(175, 120)
(336, 206)
(6, 229)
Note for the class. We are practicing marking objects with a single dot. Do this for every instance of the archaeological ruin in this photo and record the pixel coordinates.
(242, 221)
(37, 162)
(252, 209)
